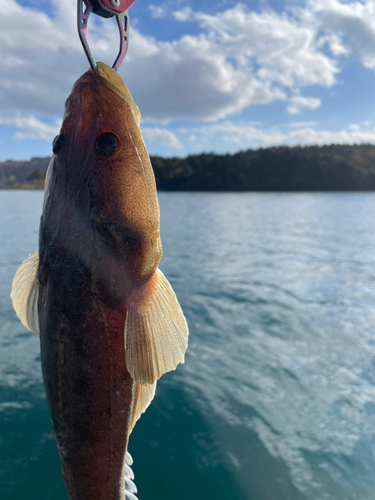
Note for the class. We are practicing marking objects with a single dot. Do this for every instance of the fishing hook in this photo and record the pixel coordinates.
(106, 9)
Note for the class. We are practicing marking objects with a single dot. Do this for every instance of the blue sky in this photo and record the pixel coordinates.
(207, 76)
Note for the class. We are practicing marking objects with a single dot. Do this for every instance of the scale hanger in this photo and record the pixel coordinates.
(106, 9)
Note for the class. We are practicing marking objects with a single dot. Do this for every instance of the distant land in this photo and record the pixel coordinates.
(312, 168)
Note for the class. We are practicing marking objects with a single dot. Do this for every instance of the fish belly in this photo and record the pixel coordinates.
(89, 390)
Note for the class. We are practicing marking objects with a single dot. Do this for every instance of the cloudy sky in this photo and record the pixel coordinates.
(207, 76)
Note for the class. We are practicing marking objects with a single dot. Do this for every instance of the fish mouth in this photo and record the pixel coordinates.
(97, 84)
(112, 81)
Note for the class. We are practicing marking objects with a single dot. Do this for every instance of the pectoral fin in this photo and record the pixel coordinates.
(156, 332)
(25, 291)
(143, 395)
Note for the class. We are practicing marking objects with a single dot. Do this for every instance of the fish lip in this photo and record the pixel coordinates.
(90, 77)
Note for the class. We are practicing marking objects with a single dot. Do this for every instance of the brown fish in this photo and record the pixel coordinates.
(109, 322)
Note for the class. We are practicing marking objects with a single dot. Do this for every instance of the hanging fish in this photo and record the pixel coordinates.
(108, 320)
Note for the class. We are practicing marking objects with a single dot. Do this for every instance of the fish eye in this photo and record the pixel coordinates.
(106, 144)
(58, 143)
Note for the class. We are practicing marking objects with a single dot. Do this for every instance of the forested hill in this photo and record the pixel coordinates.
(14, 172)
(327, 168)
(313, 168)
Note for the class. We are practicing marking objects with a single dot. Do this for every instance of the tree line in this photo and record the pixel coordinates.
(312, 168)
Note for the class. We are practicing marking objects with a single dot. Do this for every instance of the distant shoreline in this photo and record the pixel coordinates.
(25, 186)
(334, 168)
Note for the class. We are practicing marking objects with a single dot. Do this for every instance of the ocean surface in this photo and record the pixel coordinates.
(276, 400)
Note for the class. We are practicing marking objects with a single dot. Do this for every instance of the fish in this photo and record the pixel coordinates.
(109, 322)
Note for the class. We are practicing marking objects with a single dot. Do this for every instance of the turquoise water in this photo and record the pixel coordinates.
(276, 400)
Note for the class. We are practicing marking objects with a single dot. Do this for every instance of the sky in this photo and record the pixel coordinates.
(219, 76)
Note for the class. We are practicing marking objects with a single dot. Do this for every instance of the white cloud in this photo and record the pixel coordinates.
(305, 136)
(31, 127)
(334, 43)
(157, 11)
(302, 124)
(192, 78)
(39, 64)
(243, 135)
(240, 58)
(249, 135)
(298, 103)
(284, 48)
(185, 14)
(353, 25)
(161, 136)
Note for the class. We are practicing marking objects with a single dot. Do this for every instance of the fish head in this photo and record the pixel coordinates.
(100, 180)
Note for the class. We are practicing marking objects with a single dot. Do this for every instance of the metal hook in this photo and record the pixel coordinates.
(123, 26)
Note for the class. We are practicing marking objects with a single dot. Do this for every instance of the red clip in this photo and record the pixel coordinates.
(109, 8)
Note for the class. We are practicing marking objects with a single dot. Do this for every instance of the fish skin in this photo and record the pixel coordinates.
(99, 243)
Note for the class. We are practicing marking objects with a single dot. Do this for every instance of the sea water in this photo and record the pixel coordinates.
(276, 400)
